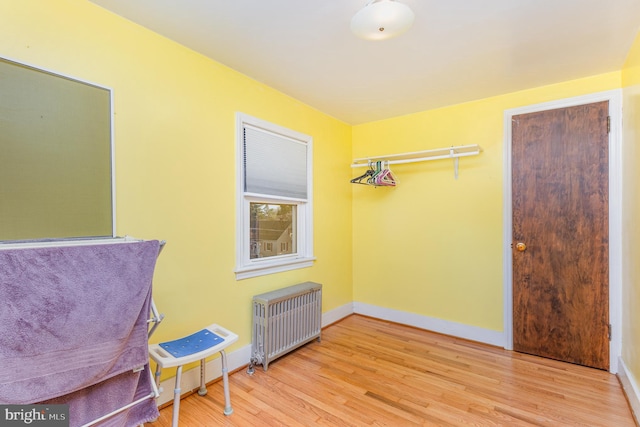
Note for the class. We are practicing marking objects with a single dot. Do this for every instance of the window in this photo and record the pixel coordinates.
(274, 227)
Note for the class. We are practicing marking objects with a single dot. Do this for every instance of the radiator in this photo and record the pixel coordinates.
(283, 320)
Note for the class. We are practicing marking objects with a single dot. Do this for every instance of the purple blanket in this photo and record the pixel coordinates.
(73, 327)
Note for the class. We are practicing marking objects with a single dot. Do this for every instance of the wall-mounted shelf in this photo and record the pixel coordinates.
(422, 156)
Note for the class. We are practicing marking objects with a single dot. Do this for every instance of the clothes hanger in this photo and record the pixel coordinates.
(388, 178)
(372, 179)
(378, 175)
(364, 177)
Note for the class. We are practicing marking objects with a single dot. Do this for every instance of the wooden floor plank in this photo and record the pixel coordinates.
(369, 372)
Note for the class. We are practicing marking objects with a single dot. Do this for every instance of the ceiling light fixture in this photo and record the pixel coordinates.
(382, 19)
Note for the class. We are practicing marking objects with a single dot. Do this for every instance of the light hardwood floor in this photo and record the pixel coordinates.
(368, 372)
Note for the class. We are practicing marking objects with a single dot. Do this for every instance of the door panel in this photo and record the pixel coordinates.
(560, 213)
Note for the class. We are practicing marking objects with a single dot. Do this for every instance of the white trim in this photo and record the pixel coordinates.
(66, 242)
(630, 388)
(256, 270)
(112, 119)
(55, 73)
(615, 214)
(427, 323)
(337, 314)
(245, 267)
(507, 221)
(433, 324)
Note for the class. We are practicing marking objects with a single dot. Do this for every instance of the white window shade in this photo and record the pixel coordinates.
(274, 164)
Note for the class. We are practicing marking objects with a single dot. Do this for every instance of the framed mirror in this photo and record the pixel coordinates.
(56, 156)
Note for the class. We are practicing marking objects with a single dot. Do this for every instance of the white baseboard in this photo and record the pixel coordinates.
(337, 314)
(446, 327)
(240, 358)
(631, 389)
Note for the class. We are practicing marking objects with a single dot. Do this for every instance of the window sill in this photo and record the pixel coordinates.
(264, 268)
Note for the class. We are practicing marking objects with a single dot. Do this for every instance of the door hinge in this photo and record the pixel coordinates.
(608, 124)
(609, 331)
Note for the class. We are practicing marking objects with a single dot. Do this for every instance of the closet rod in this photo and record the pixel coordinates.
(421, 156)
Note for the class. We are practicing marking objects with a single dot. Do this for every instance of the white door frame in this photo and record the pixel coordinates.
(615, 214)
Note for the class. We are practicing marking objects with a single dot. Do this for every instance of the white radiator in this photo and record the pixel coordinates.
(283, 320)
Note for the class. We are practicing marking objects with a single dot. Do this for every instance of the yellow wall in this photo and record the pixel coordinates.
(175, 157)
(631, 210)
(433, 245)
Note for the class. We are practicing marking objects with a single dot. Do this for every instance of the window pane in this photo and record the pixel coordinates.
(273, 229)
(274, 165)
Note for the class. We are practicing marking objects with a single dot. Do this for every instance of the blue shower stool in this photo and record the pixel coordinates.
(197, 346)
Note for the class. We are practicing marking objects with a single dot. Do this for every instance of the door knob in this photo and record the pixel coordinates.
(521, 247)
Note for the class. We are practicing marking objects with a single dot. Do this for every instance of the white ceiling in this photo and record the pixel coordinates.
(456, 51)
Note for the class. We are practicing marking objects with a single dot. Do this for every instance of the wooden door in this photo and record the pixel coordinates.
(560, 214)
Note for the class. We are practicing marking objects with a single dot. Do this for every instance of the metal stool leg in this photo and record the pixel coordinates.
(176, 398)
(158, 372)
(228, 410)
(165, 359)
(203, 388)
